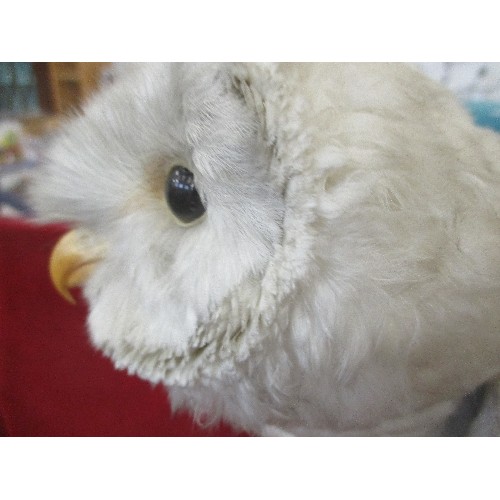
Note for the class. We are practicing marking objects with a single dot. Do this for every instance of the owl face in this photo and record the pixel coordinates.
(167, 176)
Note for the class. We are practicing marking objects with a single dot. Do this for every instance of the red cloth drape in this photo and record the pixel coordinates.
(52, 381)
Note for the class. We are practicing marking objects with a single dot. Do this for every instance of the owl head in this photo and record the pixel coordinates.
(174, 180)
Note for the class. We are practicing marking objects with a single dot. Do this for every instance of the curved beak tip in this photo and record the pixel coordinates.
(72, 262)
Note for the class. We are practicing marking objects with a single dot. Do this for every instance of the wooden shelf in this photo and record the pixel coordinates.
(64, 86)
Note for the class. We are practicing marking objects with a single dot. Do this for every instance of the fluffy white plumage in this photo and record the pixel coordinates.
(345, 278)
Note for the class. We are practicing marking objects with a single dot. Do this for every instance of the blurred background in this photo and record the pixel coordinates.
(33, 99)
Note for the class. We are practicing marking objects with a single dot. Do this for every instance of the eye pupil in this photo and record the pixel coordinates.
(182, 195)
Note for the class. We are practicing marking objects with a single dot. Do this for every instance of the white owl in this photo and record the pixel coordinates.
(298, 249)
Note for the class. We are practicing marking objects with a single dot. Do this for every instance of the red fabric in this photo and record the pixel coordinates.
(52, 381)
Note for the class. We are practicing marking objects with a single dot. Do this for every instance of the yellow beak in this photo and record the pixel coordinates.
(72, 261)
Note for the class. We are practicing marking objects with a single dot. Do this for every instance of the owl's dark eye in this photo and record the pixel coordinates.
(182, 196)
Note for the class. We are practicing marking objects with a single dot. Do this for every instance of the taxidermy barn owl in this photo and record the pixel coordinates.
(297, 249)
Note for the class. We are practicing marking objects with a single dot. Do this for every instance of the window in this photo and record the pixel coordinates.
(18, 89)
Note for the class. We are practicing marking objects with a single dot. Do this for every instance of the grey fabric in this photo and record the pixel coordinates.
(478, 414)
(487, 422)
